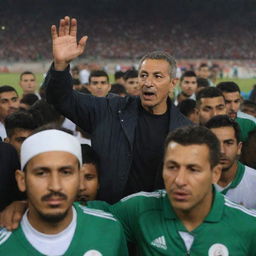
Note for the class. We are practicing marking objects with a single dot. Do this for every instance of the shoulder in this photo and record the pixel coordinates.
(250, 172)
(245, 121)
(144, 200)
(4, 235)
(95, 213)
(237, 213)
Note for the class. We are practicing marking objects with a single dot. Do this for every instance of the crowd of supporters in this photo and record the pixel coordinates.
(129, 32)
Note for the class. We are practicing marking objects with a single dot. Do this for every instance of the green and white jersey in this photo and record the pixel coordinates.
(150, 221)
(241, 188)
(97, 234)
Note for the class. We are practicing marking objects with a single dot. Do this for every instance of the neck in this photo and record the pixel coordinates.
(192, 218)
(46, 227)
(157, 109)
(228, 175)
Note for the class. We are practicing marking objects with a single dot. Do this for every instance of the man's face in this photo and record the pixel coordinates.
(188, 85)
(204, 72)
(9, 103)
(89, 183)
(28, 83)
(132, 86)
(188, 177)
(233, 101)
(210, 107)
(17, 138)
(99, 86)
(155, 85)
(230, 148)
(51, 181)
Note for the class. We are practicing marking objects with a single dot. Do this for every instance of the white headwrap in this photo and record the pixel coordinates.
(49, 140)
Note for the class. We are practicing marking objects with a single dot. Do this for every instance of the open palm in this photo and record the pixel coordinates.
(64, 43)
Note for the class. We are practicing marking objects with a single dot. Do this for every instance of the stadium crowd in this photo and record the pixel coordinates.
(149, 165)
(115, 33)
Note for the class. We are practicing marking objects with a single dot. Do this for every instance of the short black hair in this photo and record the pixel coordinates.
(249, 103)
(209, 92)
(187, 107)
(118, 89)
(131, 73)
(203, 65)
(196, 135)
(44, 113)
(228, 87)
(118, 74)
(224, 121)
(202, 82)
(27, 73)
(7, 88)
(19, 120)
(98, 73)
(89, 156)
(188, 73)
(29, 99)
(76, 81)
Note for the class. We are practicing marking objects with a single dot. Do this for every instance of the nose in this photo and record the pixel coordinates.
(180, 179)
(54, 183)
(148, 82)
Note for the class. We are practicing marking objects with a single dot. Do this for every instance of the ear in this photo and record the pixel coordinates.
(173, 83)
(7, 140)
(239, 148)
(20, 178)
(216, 173)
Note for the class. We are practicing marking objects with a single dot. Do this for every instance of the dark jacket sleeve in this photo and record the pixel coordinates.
(80, 108)
(9, 163)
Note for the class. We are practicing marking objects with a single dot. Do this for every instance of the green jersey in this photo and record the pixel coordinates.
(246, 126)
(97, 233)
(150, 221)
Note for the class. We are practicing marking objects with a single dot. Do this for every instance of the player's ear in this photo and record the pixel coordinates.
(216, 173)
(20, 179)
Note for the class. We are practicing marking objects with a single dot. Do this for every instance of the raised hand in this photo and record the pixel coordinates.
(64, 43)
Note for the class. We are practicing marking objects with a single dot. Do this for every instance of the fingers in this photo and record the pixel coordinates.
(81, 44)
(62, 27)
(73, 28)
(66, 25)
(54, 32)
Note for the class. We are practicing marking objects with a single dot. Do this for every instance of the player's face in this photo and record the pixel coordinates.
(89, 183)
(17, 138)
(188, 177)
(51, 181)
(28, 83)
(233, 101)
(99, 86)
(9, 103)
(204, 72)
(132, 86)
(230, 148)
(155, 85)
(189, 85)
(210, 107)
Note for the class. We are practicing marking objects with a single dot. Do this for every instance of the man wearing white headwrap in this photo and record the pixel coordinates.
(52, 225)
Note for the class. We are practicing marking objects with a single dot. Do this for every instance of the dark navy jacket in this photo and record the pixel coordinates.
(111, 123)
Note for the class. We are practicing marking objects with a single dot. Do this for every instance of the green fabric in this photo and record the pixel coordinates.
(246, 126)
(149, 220)
(239, 175)
(95, 230)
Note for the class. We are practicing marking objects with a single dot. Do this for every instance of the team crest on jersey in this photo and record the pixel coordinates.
(218, 250)
(92, 253)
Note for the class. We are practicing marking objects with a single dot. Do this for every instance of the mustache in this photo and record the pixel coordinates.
(54, 194)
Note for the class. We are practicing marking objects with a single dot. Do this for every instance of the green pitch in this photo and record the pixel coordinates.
(13, 79)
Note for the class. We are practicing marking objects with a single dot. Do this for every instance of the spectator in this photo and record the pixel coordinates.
(123, 129)
(9, 103)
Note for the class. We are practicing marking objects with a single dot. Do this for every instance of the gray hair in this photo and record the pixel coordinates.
(161, 55)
